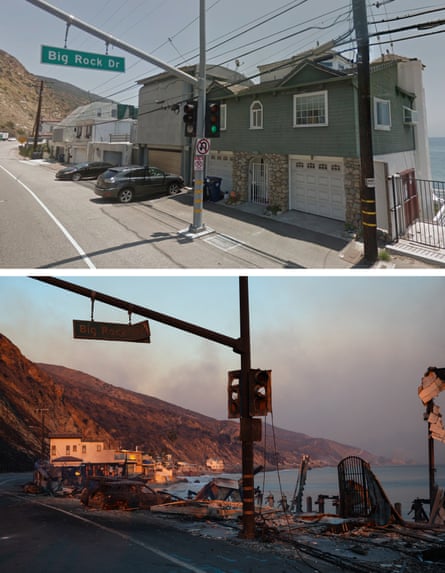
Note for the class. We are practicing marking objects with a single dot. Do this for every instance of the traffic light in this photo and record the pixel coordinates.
(213, 119)
(233, 388)
(260, 392)
(190, 114)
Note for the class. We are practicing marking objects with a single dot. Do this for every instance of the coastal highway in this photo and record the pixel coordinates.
(47, 223)
(49, 534)
(50, 224)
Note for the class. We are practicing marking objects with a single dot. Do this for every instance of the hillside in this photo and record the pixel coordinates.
(77, 402)
(19, 94)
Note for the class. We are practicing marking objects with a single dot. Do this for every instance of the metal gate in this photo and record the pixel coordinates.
(353, 486)
(259, 183)
(419, 209)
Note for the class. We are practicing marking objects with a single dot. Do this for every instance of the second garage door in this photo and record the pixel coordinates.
(318, 187)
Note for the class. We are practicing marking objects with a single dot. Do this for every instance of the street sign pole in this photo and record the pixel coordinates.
(239, 345)
(111, 40)
(197, 226)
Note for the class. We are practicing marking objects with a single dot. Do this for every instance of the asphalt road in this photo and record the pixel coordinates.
(49, 224)
(52, 535)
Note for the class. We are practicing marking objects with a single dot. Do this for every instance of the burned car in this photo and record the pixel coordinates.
(109, 493)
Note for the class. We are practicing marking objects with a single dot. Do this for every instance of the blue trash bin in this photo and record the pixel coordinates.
(213, 188)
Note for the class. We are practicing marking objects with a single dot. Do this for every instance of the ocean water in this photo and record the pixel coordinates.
(437, 157)
(402, 484)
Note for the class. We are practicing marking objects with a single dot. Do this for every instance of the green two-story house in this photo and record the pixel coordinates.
(292, 140)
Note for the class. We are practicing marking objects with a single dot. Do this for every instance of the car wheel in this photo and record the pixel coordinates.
(77, 177)
(125, 196)
(173, 188)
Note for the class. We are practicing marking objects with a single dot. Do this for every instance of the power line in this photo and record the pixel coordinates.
(259, 21)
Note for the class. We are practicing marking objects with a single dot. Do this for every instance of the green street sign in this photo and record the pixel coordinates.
(77, 59)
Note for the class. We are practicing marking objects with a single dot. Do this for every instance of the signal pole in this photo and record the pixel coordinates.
(197, 226)
(200, 84)
(367, 182)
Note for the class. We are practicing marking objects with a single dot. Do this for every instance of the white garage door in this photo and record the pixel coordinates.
(220, 164)
(318, 187)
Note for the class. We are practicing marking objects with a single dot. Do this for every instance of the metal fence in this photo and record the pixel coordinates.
(419, 210)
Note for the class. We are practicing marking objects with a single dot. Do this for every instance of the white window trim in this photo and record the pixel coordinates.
(255, 113)
(382, 126)
(311, 94)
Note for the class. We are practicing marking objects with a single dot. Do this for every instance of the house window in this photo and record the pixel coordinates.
(53, 451)
(74, 449)
(311, 110)
(382, 114)
(98, 448)
(84, 449)
(223, 117)
(67, 450)
(256, 115)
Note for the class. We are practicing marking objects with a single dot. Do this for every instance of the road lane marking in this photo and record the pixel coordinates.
(70, 238)
(124, 536)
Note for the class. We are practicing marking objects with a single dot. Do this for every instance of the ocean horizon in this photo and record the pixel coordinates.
(402, 484)
(437, 158)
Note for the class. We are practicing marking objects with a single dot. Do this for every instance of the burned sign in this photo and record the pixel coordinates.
(93, 330)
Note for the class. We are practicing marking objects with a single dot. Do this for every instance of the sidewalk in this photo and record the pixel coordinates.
(300, 239)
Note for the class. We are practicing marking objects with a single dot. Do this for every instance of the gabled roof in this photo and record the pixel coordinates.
(220, 89)
(308, 67)
(305, 73)
(213, 72)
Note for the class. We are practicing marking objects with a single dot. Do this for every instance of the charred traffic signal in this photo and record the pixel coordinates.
(233, 390)
(213, 119)
(190, 115)
(260, 392)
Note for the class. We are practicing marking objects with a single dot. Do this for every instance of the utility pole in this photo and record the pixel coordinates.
(367, 181)
(431, 457)
(42, 431)
(37, 122)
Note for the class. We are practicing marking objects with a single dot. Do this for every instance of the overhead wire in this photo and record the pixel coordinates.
(289, 36)
(256, 23)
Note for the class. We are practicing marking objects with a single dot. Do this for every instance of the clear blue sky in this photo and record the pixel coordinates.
(168, 29)
(347, 353)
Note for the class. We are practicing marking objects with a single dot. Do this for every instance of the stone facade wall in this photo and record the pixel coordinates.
(278, 166)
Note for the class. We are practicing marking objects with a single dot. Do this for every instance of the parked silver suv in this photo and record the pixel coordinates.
(136, 181)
